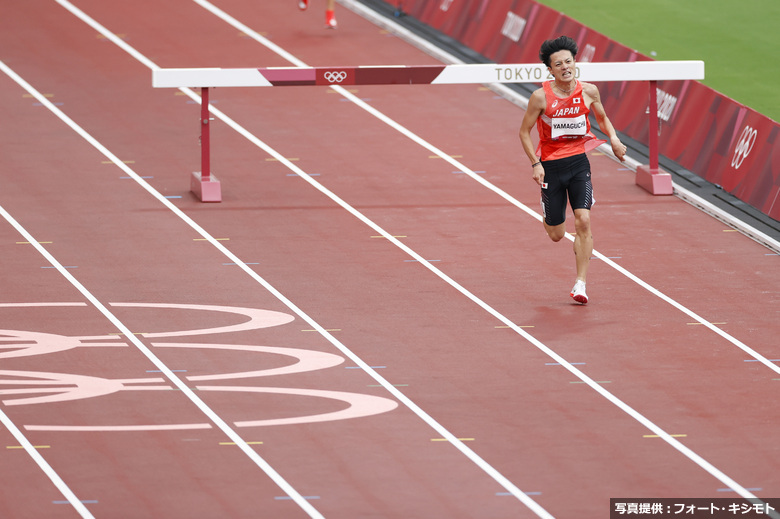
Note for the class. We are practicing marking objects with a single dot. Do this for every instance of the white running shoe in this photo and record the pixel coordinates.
(578, 292)
(303, 4)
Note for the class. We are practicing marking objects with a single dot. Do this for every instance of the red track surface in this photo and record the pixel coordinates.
(520, 423)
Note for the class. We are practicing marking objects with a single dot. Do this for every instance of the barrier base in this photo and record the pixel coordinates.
(654, 180)
(206, 190)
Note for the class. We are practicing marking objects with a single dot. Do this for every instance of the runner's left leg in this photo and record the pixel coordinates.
(583, 242)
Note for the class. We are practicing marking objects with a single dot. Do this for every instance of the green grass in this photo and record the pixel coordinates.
(737, 39)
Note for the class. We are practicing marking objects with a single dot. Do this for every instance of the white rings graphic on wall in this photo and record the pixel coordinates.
(746, 141)
(335, 76)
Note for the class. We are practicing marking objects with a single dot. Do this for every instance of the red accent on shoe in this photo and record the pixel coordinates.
(580, 299)
(330, 19)
(578, 293)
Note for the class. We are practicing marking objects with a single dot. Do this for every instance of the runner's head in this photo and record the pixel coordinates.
(550, 47)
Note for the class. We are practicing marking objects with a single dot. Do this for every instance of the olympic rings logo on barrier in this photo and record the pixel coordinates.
(335, 76)
(745, 144)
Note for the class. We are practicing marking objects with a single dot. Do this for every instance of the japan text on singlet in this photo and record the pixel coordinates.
(564, 128)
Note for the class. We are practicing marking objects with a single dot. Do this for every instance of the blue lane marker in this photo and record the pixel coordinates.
(173, 196)
(64, 266)
(526, 493)
(463, 172)
(413, 260)
(558, 363)
(297, 175)
(247, 263)
(125, 178)
(283, 498)
(358, 367)
(756, 489)
(174, 370)
(756, 360)
(85, 501)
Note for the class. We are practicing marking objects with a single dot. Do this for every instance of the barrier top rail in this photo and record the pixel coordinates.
(423, 74)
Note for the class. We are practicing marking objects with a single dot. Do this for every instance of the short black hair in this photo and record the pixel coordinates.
(550, 47)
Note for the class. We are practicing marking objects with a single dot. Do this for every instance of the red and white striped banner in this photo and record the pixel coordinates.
(420, 75)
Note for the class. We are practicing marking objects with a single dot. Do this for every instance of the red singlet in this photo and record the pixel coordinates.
(564, 128)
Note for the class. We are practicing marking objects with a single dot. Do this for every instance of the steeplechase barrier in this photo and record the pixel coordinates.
(208, 188)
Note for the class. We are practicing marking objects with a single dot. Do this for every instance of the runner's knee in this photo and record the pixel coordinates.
(582, 221)
(556, 233)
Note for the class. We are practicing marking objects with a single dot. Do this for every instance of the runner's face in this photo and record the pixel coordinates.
(562, 65)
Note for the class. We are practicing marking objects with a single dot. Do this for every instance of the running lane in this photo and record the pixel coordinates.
(536, 423)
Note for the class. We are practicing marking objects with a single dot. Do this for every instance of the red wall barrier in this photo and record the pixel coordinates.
(704, 131)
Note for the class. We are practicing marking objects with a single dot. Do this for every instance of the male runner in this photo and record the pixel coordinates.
(330, 13)
(560, 112)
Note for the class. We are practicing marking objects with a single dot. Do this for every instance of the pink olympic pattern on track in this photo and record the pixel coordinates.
(532, 420)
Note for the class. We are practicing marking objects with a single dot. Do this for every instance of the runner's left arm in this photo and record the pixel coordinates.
(618, 148)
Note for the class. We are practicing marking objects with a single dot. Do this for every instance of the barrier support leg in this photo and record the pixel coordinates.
(203, 184)
(651, 178)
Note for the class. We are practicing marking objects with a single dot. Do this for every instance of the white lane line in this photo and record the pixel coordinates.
(205, 409)
(42, 463)
(468, 171)
(505, 92)
(389, 387)
(248, 31)
(441, 430)
(523, 102)
(754, 234)
(461, 167)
